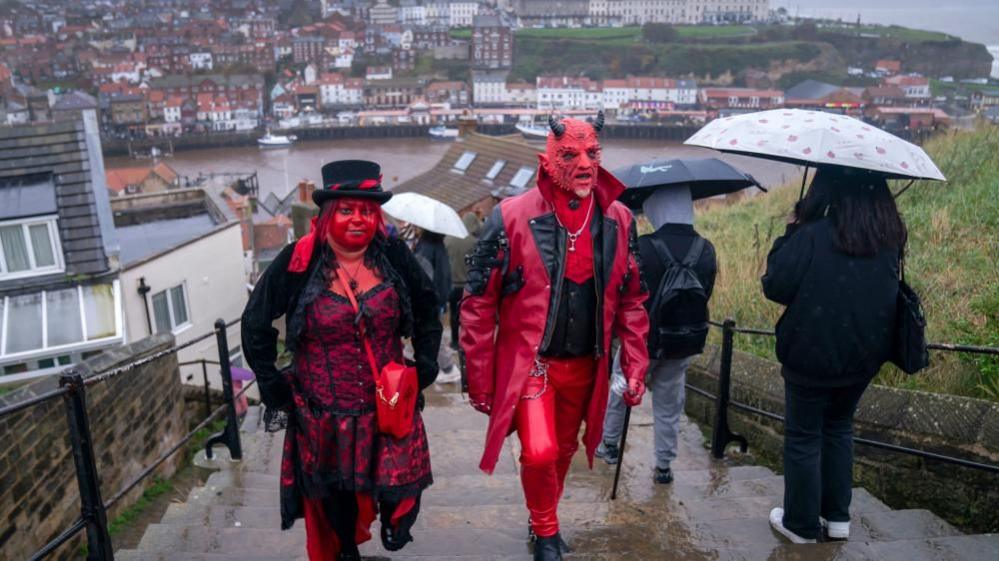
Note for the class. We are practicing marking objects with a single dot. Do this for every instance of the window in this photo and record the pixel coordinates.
(170, 309)
(464, 161)
(522, 176)
(29, 247)
(69, 318)
(496, 169)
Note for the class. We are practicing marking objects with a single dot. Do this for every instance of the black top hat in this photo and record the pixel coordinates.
(358, 179)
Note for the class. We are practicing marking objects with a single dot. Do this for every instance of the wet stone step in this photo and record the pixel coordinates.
(434, 543)
(763, 487)
(905, 525)
(759, 507)
(984, 547)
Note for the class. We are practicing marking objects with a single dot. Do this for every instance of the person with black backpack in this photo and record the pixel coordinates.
(678, 267)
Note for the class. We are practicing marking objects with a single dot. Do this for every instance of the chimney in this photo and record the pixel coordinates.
(466, 123)
(305, 189)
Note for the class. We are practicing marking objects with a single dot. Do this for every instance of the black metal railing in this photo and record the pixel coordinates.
(73, 390)
(722, 435)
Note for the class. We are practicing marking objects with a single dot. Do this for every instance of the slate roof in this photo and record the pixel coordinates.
(811, 89)
(462, 190)
(60, 149)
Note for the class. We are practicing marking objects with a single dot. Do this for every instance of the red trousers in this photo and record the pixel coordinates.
(547, 421)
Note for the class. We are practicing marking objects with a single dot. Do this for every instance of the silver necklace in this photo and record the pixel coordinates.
(573, 236)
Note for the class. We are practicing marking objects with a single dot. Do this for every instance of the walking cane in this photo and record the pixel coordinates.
(620, 456)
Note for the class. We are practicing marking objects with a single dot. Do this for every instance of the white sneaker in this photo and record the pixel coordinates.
(836, 530)
(777, 523)
(449, 376)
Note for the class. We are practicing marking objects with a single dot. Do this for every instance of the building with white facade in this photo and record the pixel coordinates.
(489, 88)
(181, 274)
(563, 92)
(647, 92)
(461, 13)
(641, 12)
(201, 60)
(60, 292)
(335, 90)
(412, 12)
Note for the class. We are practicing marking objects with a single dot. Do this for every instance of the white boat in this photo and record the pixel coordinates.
(440, 132)
(533, 131)
(275, 141)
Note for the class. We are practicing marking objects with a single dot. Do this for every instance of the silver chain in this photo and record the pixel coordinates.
(540, 370)
(574, 236)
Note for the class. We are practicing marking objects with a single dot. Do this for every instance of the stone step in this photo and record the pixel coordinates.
(958, 548)
(433, 543)
(248, 479)
(759, 507)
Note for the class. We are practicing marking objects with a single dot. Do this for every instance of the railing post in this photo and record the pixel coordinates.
(208, 392)
(720, 434)
(91, 504)
(230, 434)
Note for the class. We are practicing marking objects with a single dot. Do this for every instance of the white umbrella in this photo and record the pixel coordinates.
(816, 138)
(429, 214)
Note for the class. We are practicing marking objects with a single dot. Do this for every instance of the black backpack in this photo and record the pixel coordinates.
(669, 338)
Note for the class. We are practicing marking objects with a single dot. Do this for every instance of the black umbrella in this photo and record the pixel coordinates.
(706, 177)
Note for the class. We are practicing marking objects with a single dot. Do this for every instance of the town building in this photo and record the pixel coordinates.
(740, 99)
(135, 180)
(183, 267)
(915, 87)
(492, 43)
(813, 94)
(383, 13)
(70, 106)
(59, 274)
(307, 49)
(647, 92)
(394, 93)
(551, 13)
(478, 172)
(454, 93)
(563, 92)
(412, 12)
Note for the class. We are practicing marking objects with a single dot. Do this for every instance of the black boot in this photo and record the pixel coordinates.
(548, 549)
(349, 555)
(532, 537)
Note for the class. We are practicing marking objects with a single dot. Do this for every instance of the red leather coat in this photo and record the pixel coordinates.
(514, 278)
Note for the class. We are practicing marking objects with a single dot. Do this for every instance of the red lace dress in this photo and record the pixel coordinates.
(333, 442)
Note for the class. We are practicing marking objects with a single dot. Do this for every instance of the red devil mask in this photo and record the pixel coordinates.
(572, 157)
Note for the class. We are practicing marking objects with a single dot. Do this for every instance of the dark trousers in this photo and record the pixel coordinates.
(454, 302)
(818, 455)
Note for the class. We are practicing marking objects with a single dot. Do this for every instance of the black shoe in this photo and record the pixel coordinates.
(349, 555)
(394, 541)
(548, 549)
(610, 453)
(532, 538)
(664, 476)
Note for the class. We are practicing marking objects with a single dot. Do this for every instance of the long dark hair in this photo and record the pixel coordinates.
(861, 208)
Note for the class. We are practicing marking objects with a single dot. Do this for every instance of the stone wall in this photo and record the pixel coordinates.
(134, 418)
(956, 426)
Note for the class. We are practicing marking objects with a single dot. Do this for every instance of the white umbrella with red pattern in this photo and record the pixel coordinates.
(816, 138)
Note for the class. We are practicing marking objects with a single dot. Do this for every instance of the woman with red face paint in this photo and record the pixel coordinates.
(338, 471)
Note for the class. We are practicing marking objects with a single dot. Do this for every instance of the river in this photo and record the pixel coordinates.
(279, 170)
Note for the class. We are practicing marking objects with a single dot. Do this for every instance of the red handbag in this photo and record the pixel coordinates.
(396, 386)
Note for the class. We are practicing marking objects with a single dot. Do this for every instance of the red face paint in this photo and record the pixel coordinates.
(354, 223)
(574, 157)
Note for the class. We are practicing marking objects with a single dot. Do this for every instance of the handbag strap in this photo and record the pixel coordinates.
(360, 323)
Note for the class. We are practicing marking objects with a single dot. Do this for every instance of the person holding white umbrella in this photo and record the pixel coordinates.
(434, 220)
(836, 271)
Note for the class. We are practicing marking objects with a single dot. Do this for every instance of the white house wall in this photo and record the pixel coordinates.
(212, 268)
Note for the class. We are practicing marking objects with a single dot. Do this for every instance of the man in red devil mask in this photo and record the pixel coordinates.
(552, 279)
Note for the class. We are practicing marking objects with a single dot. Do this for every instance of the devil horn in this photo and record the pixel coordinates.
(599, 123)
(557, 127)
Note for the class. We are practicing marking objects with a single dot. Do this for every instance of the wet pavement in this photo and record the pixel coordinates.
(712, 511)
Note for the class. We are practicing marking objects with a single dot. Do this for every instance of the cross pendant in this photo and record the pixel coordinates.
(353, 284)
(572, 243)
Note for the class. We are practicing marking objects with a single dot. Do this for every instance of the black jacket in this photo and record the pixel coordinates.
(279, 293)
(431, 247)
(678, 238)
(839, 322)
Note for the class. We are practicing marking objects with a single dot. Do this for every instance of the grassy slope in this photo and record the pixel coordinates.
(952, 261)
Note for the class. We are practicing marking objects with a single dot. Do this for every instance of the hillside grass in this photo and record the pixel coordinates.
(612, 57)
(952, 262)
